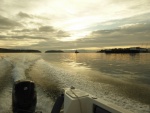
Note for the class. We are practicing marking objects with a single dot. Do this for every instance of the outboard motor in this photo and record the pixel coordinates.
(24, 97)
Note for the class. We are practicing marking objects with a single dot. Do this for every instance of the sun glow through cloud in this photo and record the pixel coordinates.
(89, 23)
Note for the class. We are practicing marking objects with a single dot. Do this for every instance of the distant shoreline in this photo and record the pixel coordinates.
(4, 50)
(54, 51)
(113, 50)
(131, 50)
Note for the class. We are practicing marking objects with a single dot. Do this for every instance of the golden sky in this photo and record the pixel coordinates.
(73, 24)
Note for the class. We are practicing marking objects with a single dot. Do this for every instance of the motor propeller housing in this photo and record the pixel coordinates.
(24, 97)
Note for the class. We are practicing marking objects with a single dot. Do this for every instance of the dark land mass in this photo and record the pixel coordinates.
(124, 50)
(3, 50)
(54, 51)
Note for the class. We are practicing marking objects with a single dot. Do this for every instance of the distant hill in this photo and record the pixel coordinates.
(3, 50)
(54, 51)
(124, 50)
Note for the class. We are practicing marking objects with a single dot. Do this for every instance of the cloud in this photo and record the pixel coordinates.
(25, 30)
(62, 34)
(3, 37)
(46, 29)
(131, 35)
(28, 37)
(54, 44)
(1, 10)
(135, 28)
(23, 15)
(113, 24)
(20, 37)
(33, 37)
(20, 41)
(6, 23)
(120, 23)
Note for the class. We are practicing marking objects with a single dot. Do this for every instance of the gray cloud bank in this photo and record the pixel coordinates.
(6, 23)
(130, 34)
(23, 15)
(128, 31)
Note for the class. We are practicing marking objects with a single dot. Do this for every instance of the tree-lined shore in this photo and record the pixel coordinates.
(4, 50)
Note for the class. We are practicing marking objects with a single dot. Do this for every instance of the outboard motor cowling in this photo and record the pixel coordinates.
(24, 97)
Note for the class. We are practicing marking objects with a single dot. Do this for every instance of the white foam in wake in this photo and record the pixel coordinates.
(21, 63)
(18, 72)
(101, 90)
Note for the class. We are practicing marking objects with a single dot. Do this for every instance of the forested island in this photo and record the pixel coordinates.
(125, 50)
(54, 51)
(4, 50)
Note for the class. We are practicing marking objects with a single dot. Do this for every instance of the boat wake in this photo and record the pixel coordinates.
(50, 80)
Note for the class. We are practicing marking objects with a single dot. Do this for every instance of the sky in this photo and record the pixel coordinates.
(74, 24)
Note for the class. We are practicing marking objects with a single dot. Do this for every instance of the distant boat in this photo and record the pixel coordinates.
(76, 51)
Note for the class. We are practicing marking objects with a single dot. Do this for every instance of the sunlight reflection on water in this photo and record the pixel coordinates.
(129, 74)
(118, 65)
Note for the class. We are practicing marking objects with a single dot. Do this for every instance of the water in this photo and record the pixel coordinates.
(122, 79)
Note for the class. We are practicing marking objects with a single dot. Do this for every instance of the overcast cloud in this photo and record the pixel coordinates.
(6, 23)
(127, 34)
(75, 24)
